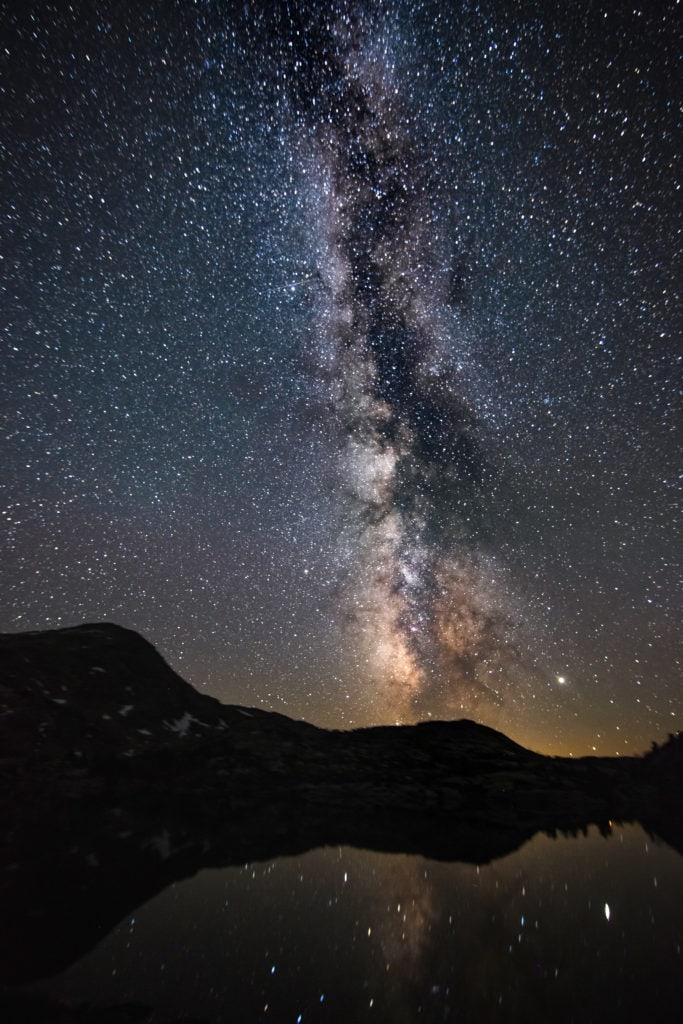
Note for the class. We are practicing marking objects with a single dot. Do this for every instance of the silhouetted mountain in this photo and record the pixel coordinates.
(119, 778)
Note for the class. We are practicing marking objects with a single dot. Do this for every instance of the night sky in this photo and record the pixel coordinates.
(339, 353)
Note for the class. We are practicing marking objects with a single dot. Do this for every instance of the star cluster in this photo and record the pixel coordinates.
(340, 353)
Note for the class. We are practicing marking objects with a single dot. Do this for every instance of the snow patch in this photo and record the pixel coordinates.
(182, 725)
(162, 844)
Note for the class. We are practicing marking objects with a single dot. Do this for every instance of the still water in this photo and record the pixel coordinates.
(572, 929)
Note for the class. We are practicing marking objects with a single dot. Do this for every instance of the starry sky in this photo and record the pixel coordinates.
(341, 353)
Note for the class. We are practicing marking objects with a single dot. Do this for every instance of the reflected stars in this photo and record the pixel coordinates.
(407, 938)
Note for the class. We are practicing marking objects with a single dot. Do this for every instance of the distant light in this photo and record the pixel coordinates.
(607, 911)
(561, 679)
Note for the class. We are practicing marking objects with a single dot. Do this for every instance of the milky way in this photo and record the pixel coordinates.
(424, 600)
(340, 353)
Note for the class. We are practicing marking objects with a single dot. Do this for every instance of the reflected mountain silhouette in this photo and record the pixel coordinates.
(119, 779)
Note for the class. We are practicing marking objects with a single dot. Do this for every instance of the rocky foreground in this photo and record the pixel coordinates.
(119, 778)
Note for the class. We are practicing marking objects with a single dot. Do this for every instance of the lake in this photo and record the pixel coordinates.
(582, 928)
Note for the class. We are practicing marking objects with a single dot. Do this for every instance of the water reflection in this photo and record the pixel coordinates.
(572, 929)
